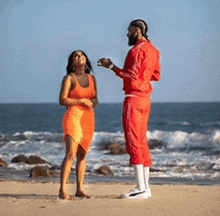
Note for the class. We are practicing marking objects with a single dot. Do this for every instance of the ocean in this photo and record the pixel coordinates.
(188, 137)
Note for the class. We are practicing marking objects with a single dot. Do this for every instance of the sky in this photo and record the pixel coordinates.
(37, 37)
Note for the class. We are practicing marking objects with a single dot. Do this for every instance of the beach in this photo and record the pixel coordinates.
(19, 197)
(184, 178)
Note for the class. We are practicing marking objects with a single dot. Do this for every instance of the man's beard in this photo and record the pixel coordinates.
(132, 40)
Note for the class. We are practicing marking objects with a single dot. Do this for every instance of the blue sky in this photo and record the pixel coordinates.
(37, 37)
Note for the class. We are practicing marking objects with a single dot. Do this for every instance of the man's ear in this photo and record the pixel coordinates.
(139, 31)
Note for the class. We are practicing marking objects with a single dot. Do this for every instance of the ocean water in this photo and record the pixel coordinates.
(188, 134)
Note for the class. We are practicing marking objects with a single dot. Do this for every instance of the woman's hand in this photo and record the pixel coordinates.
(86, 102)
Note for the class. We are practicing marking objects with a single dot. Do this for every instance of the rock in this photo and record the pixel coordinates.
(104, 170)
(40, 171)
(56, 167)
(18, 137)
(156, 170)
(117, 149)
(155, 144)
(35, 160)
(104, 145)
(3, 163)
(19, 159)
(30, 160)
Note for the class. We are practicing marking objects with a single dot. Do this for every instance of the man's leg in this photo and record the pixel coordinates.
(146, 180)
(139, 176)
(144, 143)
(132, 117)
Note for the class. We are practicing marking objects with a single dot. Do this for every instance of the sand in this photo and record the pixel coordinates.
(40, 198)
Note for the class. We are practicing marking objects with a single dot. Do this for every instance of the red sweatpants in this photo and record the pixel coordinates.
(135, 121)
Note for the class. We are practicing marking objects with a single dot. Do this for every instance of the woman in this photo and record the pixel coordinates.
(79, 94)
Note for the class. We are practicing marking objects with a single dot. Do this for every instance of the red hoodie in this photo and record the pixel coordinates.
(141, 66)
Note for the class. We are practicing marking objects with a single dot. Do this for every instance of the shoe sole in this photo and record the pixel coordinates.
(138, 195)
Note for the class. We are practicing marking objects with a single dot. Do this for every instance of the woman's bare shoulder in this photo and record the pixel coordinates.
(66, 77)
(92, 77)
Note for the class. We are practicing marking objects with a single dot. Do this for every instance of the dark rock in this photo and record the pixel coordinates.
(155, 144)
(117, 149)
(155, 170)
(39, 171)
(104, 170)
(19, 159)
(88, 170)
(55, 167)
(3, 163)
(104, 145)
(18, 137)
(170, 165)
(35, 160)
(182, 168)
(30, 160)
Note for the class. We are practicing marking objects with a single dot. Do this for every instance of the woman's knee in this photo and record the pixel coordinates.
(71, 148)
(70, 156)
(81, 154)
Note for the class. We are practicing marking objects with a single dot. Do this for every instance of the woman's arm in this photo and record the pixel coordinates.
(95, 99)
(64, 92)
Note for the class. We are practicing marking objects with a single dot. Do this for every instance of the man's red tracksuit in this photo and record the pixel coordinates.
(142, 65)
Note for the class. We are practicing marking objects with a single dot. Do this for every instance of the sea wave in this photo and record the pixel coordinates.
(182, 154)
(216, 137)
(187, 141)
(170, 139)
(185, 123)
(189, 125)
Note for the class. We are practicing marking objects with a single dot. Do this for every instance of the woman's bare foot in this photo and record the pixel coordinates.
(64, 196)
(82, 194)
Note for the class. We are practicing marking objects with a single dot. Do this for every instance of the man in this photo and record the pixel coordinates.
(142, 65)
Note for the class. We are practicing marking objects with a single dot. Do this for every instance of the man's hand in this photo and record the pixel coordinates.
(104, 62)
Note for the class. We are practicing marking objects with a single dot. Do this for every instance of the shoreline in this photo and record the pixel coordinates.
(9, 174)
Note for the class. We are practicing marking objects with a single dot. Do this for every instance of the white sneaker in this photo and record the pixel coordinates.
(135, 194)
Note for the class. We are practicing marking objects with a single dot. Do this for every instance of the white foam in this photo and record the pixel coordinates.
(175, 139)
(168, 161)
(216, 137)
(185, 123)
(104, 138)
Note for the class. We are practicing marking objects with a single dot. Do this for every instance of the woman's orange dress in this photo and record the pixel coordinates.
(79, 120)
